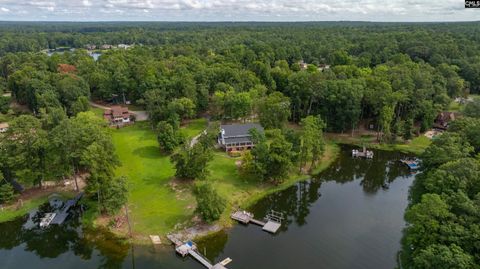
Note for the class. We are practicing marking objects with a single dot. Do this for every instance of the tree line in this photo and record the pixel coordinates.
(34, 150)
(443, 222)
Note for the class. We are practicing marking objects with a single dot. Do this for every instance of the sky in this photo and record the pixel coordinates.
(236, 10)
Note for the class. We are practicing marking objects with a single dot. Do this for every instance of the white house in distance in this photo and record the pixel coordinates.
(124, 46)
(236, 137)
(3, 127)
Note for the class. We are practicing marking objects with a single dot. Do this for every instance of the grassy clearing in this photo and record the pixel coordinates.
(193, 127)
(98, 111)
(242, 193)
(11, 212)
(155, 206)
(416, 146)
(157, 203)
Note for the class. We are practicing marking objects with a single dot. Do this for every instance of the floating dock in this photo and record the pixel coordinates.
(190, 248)
(62, 214)
(272, 224)
(368, 154)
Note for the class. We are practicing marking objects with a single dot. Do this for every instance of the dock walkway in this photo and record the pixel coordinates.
(200, 258)
(64, 212)
(274, 220)
(190, 248)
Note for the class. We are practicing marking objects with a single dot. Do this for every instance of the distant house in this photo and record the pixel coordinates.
(323, 67)
(124, 46)
(90, 47)
(106, 47)
(3, 127)
(303, 65)
(117, 115)
(443, 119)
(235, 137)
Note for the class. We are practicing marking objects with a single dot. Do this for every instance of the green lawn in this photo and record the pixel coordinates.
(97, 111)
(241, 193)
(194, 127)
(155, 206)
(11, 212)
(417, 145)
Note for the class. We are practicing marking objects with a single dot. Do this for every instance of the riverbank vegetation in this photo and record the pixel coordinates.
(443, 221)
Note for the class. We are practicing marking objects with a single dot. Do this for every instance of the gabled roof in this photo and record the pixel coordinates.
(119, 111)
(239, 130)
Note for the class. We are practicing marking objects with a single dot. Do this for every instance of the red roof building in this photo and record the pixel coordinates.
(117, 115)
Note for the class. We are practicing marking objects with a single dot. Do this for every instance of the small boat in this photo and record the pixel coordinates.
(411, 163)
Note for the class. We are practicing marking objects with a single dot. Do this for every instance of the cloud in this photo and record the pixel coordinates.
(87, 3)
(4, 9)
(375, 10)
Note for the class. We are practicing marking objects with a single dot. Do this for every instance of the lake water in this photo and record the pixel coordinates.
(349, 216)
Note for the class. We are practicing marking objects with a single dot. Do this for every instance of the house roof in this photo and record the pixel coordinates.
(447, 116)
(236, 140)
(119, 111)
(239, 130)
(4, 125)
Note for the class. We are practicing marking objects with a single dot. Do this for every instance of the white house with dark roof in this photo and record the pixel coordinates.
(235, 137)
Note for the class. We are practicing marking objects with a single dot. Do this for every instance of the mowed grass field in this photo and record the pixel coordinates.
(157, 202)
(155, 206)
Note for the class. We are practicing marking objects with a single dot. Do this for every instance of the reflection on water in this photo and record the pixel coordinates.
(349, 216)
(22, 238)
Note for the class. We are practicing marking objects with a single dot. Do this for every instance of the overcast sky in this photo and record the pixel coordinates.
(237, 10)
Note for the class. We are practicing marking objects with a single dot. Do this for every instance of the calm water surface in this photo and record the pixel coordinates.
(350, 216)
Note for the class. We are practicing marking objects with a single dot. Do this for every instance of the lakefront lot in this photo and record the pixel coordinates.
(158, 203)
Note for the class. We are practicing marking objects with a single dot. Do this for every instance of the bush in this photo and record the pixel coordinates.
(7, 193)
(209, 203)
(235, 154)
(4, 104)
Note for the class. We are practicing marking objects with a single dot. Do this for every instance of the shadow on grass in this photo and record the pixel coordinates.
(149, 152)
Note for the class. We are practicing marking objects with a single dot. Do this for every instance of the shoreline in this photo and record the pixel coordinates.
(202, 230)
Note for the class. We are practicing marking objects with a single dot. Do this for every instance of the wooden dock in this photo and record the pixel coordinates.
(272, 224)
(62, 214)
(190, 248)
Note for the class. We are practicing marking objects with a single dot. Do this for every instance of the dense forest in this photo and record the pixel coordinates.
(443, 217)
(322, 76)
(396, 75)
